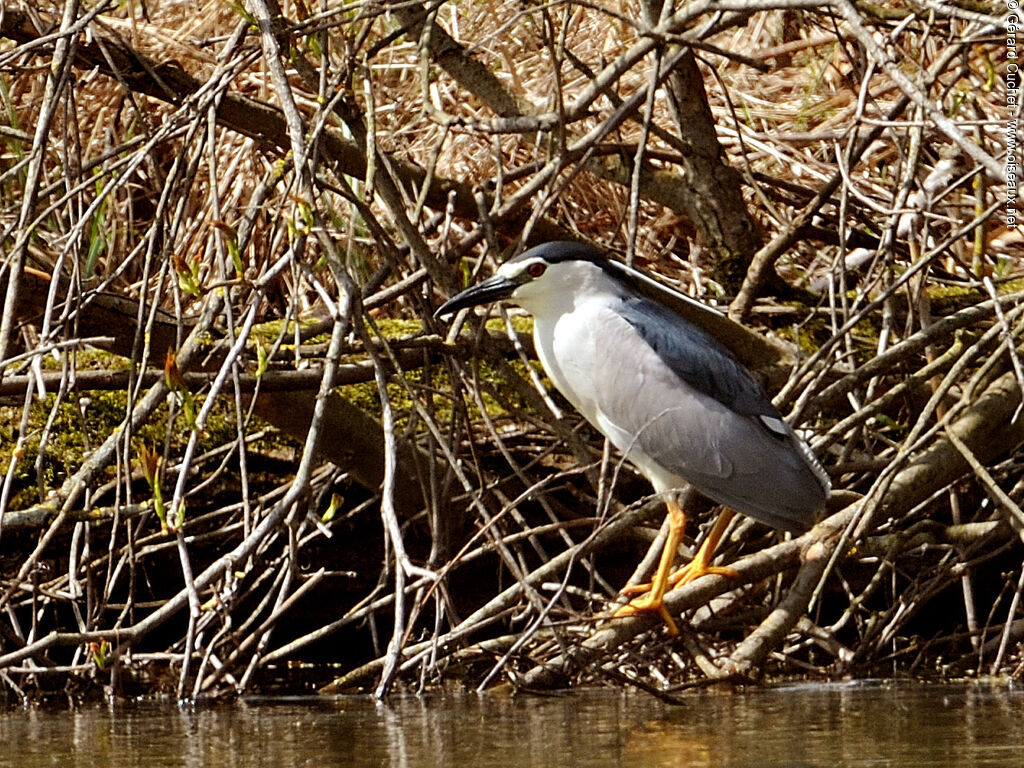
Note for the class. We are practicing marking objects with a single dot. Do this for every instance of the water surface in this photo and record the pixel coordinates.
(856, 724)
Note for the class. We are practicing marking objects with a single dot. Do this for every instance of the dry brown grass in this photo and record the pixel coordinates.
(149, 180)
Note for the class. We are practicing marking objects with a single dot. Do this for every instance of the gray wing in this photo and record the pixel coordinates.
(698, 358)
(698, 414)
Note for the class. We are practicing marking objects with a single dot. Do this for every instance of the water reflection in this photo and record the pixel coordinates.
(814, 725)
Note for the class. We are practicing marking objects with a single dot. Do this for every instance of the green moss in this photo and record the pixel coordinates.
(803, 336)
(270, 331)
(85, 420)
(397, 328)
(499, 397)
(80, 425)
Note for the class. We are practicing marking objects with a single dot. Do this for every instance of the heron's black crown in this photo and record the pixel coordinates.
(562, 250)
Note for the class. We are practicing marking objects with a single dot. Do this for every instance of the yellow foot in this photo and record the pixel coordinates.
(653, 594)
(650, 602)
(684, 575)
(693, 571)
(647, 604)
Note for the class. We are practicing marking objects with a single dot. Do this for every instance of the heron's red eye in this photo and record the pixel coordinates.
(536, 269)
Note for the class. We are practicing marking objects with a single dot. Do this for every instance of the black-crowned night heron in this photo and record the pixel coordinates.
(667, 394)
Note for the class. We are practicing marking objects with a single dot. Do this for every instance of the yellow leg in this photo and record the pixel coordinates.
(654, 593)
(701, 563)
(653, 600)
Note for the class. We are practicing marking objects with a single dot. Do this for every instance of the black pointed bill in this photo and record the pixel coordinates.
(492, 289)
